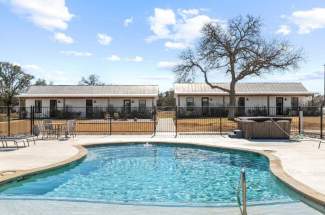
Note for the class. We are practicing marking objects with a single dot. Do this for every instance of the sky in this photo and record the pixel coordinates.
(138, 42)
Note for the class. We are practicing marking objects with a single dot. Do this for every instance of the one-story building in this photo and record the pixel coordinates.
(89, 100)
(273, 98)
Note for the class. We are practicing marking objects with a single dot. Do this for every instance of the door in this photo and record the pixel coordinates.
(205, 106)
(279, 105)
(142, 105)
(89, 108)
(127, 106)
(53, 108)
(241, 106)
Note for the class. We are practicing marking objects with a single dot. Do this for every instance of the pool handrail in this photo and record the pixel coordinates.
(243, 188)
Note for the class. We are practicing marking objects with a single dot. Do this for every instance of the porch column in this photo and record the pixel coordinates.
(268, 105)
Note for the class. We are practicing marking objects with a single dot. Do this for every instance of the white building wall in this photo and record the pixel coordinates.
(100, 102)
(250, 101)
(255, 101)
(75, 102)
(79, 104)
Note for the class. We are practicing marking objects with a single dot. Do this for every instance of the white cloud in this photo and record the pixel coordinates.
(175, 45)
(114, 58)
(309, 20)
(30, 67)
(47, 14)
(104, 39)
(135, 59)
(167, 64)
(128, 21)
(180, 29)
(188, 12)
(160, 21)
(76, 53)
(57, 76)
(63, 38)
(190, 29)
(283, 29)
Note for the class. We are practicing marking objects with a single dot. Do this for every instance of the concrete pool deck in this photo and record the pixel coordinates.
(303, 164)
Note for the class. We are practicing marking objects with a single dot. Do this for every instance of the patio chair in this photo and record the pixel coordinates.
(40, 130)
(71, 128)
(49, 129)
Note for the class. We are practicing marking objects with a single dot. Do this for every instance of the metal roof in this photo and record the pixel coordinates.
(264, 88)
(91, 91)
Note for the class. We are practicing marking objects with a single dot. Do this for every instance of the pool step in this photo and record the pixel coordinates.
(236, 134)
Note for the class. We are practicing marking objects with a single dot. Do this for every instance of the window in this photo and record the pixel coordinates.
(38, 106)
(294, 103)
(142, 105)
(189, 103)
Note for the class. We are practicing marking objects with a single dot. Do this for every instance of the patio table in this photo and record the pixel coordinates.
(58, 128)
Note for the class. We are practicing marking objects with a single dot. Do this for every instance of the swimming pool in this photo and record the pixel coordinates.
(156, 174)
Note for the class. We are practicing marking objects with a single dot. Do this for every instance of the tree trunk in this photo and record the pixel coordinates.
(232, 101)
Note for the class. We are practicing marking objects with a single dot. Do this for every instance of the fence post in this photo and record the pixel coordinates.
(154, 120)
(220, 122)
(8, 119)
(30, 120)
(299, 119)
(176, 117)
(321, 122)
(110, 125)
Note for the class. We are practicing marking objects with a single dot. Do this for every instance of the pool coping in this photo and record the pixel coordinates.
(308, 195)
(22, 174)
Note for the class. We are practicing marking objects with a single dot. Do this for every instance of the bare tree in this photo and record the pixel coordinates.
(238, 50)
(12, 81)
(92, 80)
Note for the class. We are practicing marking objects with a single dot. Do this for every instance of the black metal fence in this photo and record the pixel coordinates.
(152, 120)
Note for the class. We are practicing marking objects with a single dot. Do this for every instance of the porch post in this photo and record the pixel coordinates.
(268, 105)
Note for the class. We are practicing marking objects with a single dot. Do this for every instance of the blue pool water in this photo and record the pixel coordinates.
(157, 174)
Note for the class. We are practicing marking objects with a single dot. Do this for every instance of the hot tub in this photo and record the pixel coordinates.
(265, 127)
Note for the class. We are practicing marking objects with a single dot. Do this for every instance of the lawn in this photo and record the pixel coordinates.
(166, 114)
(311, 124)
(205, 125)
(16, 127)
(87, 127)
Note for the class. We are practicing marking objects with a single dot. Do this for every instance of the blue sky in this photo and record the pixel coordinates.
(137, 42)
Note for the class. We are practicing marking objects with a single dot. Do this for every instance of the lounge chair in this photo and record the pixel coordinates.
(25, 140)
